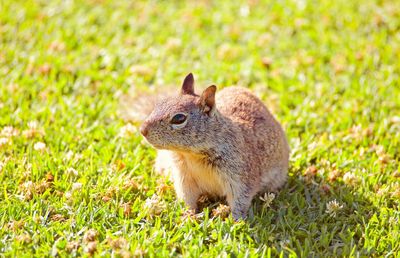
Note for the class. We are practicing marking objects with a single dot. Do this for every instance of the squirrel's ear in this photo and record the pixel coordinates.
(188, 85)
(207, 99)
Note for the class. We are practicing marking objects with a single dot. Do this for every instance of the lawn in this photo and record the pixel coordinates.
(77, 179)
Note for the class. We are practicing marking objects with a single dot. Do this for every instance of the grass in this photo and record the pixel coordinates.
(77, 181)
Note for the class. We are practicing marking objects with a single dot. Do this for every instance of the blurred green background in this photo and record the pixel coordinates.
(78, 180)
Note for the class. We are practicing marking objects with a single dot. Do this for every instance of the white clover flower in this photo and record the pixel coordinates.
(69, 155)
(68, 195)
(350, 179)
(9, 131)
(267, 199)
(154, 205)
(27, 190)
(33, 130)
(127, 130)
(221, 211)
(32, 124)
(76, 186)
(28, 185)
(312, 146)
(4, 141)
(71, 172)
(90, 235)
(39, 146)
(333, 207)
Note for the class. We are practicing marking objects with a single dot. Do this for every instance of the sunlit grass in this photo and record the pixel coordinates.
(76, 180)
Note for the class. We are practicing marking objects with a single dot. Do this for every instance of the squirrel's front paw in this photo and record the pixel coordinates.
(239, 214)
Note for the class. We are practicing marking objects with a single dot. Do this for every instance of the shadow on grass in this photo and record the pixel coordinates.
(313, 217)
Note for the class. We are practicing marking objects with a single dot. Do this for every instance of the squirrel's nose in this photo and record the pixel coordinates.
(144, 129)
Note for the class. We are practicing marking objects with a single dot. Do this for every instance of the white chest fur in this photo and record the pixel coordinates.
(206, 177)
(192, 167)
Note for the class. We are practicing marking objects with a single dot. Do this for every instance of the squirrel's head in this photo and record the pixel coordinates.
(183, 122)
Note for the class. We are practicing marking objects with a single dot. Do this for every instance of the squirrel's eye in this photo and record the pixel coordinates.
(178, 119)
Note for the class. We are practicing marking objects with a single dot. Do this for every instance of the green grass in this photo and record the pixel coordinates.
(329, 70)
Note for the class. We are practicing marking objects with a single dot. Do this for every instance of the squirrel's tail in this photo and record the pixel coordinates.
(137, 105)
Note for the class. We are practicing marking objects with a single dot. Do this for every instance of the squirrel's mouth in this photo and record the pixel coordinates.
(161, 147)
(149, 142)
(155, 145)
(158, 145)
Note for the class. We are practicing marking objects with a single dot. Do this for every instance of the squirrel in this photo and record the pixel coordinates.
(221, 145)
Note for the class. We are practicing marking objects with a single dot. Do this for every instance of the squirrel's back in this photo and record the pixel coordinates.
(261, 132)
(242, 106)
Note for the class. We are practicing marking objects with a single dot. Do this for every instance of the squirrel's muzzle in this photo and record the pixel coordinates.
(144, 129)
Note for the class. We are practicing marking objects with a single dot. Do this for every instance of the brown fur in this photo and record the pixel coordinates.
(230, 145)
